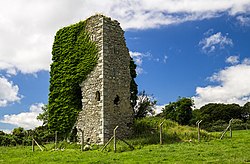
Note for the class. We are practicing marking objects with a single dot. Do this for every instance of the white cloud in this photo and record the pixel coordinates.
(232, 59)
(158, 109)
(138, 58)
(246, 61)
(27, 27)
(25, 42)
(26, 120)
(139, 70)
(209, 44)
(165, 59)
(8, 92)
(8, 131)
(233, 87)
(144, 14)
(243, 20)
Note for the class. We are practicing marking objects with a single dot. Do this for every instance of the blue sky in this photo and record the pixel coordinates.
(187, 48)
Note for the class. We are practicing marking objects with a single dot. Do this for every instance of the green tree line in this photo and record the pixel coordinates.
(214, 116)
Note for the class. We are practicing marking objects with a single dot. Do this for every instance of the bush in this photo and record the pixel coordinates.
(8, 140)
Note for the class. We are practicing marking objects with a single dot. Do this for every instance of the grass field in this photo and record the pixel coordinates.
(235, 150)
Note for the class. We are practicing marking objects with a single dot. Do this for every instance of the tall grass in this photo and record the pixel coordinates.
(147, 131)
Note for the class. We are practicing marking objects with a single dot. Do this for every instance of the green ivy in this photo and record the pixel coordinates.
(74, 56)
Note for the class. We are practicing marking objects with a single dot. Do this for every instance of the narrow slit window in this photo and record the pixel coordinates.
(97, 96)
(116, 100)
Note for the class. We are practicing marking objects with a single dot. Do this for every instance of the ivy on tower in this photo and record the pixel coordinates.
(74, 56)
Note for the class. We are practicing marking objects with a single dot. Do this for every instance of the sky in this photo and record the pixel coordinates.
(182, 48)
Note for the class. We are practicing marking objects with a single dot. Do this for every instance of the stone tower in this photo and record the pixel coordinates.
(106, 91)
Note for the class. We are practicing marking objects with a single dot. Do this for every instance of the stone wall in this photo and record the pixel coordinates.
(106, 91)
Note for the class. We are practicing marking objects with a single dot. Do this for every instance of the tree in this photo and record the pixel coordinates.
(145, 105)
(43, 134)
(2, 133)
(44, 115)
(169, 112)
(19, 134)
(195, 116)
(213, 112)
(133, 85)
(246, 111)
(180, 111)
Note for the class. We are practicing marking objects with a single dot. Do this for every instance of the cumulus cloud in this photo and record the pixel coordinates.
(233, 87)
(138, 58)
(27, 27)
(144, 14)
(158, 109)
(25, 44)
(243, 20)
(8, 92)
(246, 61)
(8, 131)
(232, 59)
(209, 44)
(26, 120)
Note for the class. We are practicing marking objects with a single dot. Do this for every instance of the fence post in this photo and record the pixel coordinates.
(161, 132)
(38, 144)
(198, 128)
(55, 139)
(107, 143)
(115, 138)
(230, 128)
(33, 146)
(82, 144)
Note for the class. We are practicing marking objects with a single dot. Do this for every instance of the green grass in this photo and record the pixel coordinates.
(228, 150)
(147, 132)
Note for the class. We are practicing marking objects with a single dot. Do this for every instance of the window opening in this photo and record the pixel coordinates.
(97, 96)
(116, 100)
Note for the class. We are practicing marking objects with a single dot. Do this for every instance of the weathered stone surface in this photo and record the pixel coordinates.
(106, 91)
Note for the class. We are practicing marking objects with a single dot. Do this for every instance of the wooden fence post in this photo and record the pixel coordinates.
(33, 146)
(107, 143)
(198, 129)
(115, 138)
(161, 133)
(55, 139)
(230, 128)
(38, 145)
(82, 141)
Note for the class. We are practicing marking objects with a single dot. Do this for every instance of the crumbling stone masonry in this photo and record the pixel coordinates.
(106, 91)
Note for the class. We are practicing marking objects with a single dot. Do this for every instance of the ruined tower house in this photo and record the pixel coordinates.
(106, 91)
